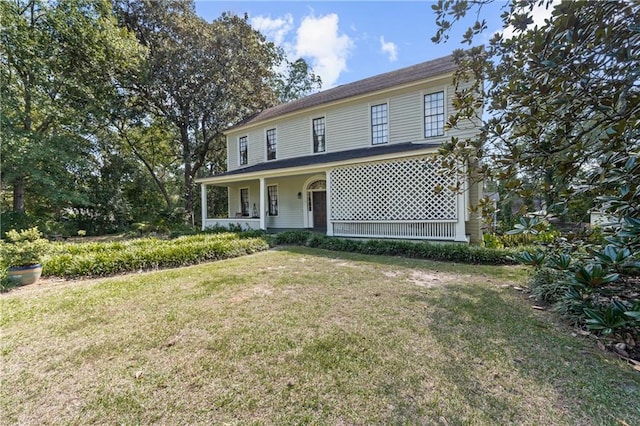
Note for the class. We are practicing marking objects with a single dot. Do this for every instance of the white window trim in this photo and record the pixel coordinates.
(431, 91)
(371, 105)
(325, 134)
(266, 150)
(248, 199)
(239, 152)
(269, 201)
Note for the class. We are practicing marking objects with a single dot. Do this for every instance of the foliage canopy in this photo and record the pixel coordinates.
(562, 97)
(111, 108)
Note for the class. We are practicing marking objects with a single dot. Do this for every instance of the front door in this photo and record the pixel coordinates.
(319, 209)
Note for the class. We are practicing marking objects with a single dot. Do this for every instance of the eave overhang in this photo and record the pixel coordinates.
(320, 162)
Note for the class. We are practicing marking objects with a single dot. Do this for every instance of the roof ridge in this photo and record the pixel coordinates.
(359, 87)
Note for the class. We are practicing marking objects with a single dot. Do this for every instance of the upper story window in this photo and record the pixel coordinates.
(379, 124)
(242, 146)
(318, 135)
(271, 144)
(434, 114)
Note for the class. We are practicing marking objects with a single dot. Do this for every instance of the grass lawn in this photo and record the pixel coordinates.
(302, 336)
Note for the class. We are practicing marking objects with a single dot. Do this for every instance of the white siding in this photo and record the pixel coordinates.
(290, 208)
(232, 152)
(294, 137)
(348, 125)
(405, 118)
(464, 128)
(234, 197)
(257, 146)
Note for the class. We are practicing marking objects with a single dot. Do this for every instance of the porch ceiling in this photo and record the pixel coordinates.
(318, 162)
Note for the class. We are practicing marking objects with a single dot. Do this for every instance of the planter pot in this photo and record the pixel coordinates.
(23, 275)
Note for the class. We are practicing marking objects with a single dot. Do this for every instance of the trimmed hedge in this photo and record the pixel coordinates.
(100, 259)
(449, 252)
(71, 260)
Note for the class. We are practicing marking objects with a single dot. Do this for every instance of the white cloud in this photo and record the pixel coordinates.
(319, 40)
(389, 48)
(274, 29)
(539, 14)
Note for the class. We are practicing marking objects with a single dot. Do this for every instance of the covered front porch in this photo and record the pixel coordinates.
(394, 198)
(272, 203)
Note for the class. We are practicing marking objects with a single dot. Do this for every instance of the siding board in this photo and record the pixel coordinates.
(348, 125)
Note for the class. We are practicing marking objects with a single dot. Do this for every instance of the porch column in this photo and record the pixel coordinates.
(263, 190)
(461, 229)
(203, 200)
(328, 195)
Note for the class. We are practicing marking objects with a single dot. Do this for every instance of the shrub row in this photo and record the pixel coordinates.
(100, 259)
(462, 253)
(518, 240)
(72, 260)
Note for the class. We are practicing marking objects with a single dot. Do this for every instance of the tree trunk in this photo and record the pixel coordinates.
(188, 176)
(18, 194)
(149, 167)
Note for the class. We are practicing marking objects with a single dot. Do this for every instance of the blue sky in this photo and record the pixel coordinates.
(347, 41)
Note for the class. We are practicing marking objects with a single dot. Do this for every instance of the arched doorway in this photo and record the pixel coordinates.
(317, 204)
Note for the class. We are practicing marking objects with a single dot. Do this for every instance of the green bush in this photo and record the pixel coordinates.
(590, 279)
(292, 237)
(548, 285)
(23, 248)
(449, 252)
(492, 241)
(101, 259)
(108, 258)
(519, 240)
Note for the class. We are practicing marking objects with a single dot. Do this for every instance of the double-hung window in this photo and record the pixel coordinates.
(243, 154)
(318, 135)
(272, 192)
(244, 201)
(434, 114)
(379, 124)
(271, 144)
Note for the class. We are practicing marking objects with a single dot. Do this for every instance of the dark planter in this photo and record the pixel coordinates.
(23, 275)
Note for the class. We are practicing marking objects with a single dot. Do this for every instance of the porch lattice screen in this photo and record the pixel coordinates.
(400, 190)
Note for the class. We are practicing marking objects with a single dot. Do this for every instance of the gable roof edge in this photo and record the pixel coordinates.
(394, 80)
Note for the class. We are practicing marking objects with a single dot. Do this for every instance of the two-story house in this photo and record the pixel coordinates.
(357, 160)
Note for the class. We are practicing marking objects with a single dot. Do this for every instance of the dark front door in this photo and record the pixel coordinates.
(319, 209)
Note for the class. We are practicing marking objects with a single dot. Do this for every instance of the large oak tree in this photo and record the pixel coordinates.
(202, 77)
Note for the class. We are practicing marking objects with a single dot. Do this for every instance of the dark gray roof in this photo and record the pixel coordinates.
(379, 82)
(331, 157)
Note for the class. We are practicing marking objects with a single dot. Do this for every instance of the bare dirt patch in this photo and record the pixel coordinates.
(41, 285)
(250, 293)
(431, 279)
(346, 263)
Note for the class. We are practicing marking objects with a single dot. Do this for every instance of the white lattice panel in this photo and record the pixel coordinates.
(393, 190)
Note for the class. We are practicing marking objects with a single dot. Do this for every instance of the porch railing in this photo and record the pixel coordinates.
(244, 223)
(424, 230)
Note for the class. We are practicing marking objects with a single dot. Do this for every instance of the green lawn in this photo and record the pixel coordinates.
(302, 336)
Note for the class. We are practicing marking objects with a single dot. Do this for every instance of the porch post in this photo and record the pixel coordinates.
(328, 195)
(263, 214)
(461, 229)
(203, 208)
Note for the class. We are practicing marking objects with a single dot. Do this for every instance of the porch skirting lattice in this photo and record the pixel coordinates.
(405, 198)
